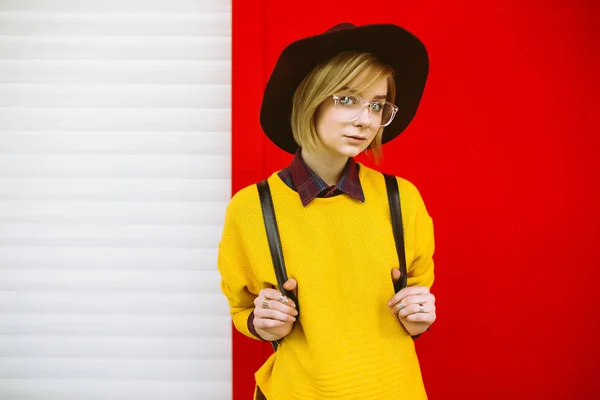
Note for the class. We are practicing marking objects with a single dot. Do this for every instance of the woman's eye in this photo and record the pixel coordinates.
(347, 100)
(376, 106)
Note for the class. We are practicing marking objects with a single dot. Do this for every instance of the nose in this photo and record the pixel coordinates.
(365, 116)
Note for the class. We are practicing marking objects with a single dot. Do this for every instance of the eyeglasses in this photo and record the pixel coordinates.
(350, 107)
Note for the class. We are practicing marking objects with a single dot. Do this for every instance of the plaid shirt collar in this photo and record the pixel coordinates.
(309, 185)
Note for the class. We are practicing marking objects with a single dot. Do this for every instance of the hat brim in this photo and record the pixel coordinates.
(393, 45)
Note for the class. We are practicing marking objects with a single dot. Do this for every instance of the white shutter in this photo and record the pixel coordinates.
(114, 178)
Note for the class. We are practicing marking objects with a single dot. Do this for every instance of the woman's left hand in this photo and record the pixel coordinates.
(414, 307)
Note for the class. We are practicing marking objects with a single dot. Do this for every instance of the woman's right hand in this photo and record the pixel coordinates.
(275, 314)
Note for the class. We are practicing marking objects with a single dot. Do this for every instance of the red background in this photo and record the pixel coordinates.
(504, 150)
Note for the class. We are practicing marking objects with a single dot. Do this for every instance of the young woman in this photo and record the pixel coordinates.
(331, 97)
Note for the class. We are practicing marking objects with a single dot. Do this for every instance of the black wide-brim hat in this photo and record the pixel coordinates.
(393, 45)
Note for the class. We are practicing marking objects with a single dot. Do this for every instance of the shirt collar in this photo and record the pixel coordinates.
(309, 185)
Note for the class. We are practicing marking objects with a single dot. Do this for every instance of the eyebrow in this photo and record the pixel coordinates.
(378, 97)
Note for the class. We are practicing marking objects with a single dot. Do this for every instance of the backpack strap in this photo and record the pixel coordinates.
(395, 211)
(266, 203)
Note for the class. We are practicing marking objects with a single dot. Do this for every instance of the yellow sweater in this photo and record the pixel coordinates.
(345, 344)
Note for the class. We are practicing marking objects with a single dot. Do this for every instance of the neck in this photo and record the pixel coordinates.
(328, 168)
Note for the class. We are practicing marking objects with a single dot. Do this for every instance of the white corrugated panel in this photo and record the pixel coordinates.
(114, 178)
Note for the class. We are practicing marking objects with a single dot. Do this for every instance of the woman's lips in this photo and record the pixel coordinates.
(357, 138)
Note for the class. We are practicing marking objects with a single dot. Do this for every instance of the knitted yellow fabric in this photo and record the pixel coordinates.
(345, 344)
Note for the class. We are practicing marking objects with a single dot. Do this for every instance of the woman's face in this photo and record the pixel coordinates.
(339, 137)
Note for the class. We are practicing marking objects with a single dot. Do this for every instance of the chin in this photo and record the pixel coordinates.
(351, 152)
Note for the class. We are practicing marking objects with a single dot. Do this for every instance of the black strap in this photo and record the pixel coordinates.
(395, 210)
(268, 211)
(266, 202)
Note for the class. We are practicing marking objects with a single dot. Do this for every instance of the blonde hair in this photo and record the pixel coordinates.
(328, 79)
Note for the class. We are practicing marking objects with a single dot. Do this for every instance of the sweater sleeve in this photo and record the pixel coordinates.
(239, 298)
(236, 274)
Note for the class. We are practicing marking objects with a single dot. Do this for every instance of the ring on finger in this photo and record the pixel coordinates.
(284, 300)
(400, 306)
(265, 304)
(421, 308)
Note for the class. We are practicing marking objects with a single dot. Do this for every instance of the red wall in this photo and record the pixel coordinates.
(505, 152)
